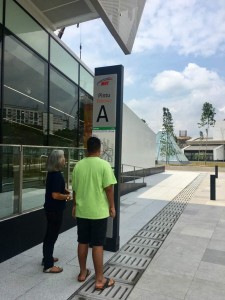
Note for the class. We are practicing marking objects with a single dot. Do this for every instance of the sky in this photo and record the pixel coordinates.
(177, 61)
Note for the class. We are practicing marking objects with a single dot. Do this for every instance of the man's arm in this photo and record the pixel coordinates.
(74, 205)
(110, 196)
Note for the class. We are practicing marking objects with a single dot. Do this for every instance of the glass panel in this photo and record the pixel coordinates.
(22, 25)
(0, 76)
(1, 10)
(23, 173)
(75, 154)
(86, 81)
(25, 96)
(63, 61)
(34, 174)
(9, 180)
(85, 121)
(63, 110)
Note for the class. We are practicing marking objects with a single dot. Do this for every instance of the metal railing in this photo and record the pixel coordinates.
(23, 173)
(132, 173)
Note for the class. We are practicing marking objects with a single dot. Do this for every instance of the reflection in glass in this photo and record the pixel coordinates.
(22, 25)
(86, 81)
(10, 180)
(34, 175)
(66, 64)
(63, 121)
(1, 10)
(25, 95)
(85, 120)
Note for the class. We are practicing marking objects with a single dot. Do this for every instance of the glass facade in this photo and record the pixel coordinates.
(66, 63)
(63, 117)
(46, 101)
(40, 85)
(23, 26)
(25, 95)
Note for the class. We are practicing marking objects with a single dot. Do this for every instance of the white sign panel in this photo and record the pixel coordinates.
(104, 104)
(107, 138)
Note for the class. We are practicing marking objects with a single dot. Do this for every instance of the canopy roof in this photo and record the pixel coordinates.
(121, 17)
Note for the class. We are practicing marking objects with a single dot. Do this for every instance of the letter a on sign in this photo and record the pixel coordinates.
(102, 114)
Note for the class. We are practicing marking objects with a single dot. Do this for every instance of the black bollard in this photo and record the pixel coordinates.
(212, 187)
(216, 171)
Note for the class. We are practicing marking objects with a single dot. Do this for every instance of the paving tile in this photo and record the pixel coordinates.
(172, 286)
(219, 233)
(54, 286)
(216, 244)
(204, 289)
(146, 295)
(211, 272)
(195, 231)
(214, 256)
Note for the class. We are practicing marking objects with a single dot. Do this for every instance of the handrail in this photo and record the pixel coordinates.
(134, 171)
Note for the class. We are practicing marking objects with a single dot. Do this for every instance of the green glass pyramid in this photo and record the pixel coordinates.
(167, 150)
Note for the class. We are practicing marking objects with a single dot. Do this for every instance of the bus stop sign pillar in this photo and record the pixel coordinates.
(107, 126)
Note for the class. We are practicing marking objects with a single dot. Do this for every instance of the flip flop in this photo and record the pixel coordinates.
(106, 284)
(83, 279)
(53, 269)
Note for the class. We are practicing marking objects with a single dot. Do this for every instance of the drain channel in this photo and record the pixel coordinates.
(129, 263)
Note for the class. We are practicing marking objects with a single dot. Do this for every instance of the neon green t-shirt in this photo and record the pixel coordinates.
(90, 176)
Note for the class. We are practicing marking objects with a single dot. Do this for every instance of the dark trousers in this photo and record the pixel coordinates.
(54, 221)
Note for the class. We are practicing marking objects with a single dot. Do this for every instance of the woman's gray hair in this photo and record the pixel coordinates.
(54, 161)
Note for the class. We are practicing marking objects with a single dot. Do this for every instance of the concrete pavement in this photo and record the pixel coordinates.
(190, 264)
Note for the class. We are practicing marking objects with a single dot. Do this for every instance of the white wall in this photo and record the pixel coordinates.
(138, 141)
(218, 153)
(218, 131)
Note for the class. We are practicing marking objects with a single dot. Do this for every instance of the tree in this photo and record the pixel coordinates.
(166, 148)
(207, 120)
(201, 137)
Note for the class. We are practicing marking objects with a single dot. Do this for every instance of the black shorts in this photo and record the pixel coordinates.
(91, 231)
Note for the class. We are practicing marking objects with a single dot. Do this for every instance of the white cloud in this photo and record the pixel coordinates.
(129, 77)
(191, 78)
(190, 26)
(184, 94)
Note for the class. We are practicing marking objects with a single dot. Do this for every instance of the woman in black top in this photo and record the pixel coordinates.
(55, 202)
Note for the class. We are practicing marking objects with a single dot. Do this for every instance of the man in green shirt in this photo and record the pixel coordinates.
(92, 183)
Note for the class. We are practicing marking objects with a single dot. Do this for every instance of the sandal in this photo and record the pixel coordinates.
(107, 284)
(84, 278)
(53, 269)
(55, 259)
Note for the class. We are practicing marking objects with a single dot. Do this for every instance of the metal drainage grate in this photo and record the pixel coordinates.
(139, 250)
(155, 228)
(152, 235)
(119, 291)
(123, 274)
(130, 261)
(145, 242)
(127, 265)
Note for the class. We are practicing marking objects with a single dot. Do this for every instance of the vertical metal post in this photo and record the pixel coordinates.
(20, 192)
(212, 187)
(216, 171)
